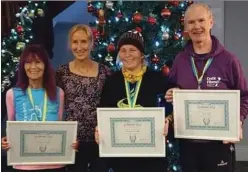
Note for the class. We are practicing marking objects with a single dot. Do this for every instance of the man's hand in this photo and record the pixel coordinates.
(169, 95)
(75, 146)
(166, 127)
(240, 135)
(96, 135)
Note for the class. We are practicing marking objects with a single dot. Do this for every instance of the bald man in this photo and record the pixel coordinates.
(206, 64)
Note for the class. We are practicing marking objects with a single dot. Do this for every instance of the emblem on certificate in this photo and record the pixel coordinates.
(43, 148)
(207, 114)
(132, 138)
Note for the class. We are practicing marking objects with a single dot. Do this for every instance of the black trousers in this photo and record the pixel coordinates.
(212, 156)
(87, 158)
(49, 170)
(137, 164)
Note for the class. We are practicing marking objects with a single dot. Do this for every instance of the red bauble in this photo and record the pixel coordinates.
(119, 14)
(182, 19)
(95, 33)
(155, 59)
(165, 12)
(174, 3)
(138, 29)
(93, 30)
(19, 28)
(137, 17)
(90, 8)
(165, 70)
(111, 48)
(151, 20)
(176, 36)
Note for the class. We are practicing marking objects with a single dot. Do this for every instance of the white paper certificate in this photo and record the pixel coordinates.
(41, 142)
(207, 114)
(126, 132)
(44, 143)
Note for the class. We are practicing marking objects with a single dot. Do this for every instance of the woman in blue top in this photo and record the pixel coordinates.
(36, 98)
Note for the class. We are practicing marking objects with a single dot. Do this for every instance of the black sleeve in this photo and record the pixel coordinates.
(163, 86)
(106, 93)
(164, 83)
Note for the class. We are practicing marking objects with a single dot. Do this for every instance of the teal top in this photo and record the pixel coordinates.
(24, 111)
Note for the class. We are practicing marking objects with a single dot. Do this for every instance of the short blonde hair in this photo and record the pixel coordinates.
(81, 27)
(199, 4)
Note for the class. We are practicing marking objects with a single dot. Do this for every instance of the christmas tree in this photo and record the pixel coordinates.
(161, 24)
(20, 35)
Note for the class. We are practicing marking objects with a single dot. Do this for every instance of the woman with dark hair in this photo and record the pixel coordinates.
(35, 98)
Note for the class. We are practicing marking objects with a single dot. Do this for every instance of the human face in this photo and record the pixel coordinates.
(34, 67)
(131, 57)
(198, 24)
(80, 45)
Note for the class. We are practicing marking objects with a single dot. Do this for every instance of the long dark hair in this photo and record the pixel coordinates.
(49, 82)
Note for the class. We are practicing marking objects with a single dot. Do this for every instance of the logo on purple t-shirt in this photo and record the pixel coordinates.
(213, 81)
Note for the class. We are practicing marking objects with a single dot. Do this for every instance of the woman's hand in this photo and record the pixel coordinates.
(75, 146)
(96, 135)
(169, 95)
(5, 144)
(166, 127)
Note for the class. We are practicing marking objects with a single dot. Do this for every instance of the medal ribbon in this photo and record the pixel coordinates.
(132, 97)
(195, 71)
(44, 113)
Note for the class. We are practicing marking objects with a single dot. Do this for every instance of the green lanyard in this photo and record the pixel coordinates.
(195, 71)
(44, 113)
(132, 99)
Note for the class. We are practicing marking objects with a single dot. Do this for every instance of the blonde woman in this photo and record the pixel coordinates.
(82, 80)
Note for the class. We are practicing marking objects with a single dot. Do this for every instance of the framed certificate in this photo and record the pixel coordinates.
(41, 142)
(207, 114)
(131, 132)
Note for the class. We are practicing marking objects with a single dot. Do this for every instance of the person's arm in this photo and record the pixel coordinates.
(10, 105)
(61, 104)
(239, 83)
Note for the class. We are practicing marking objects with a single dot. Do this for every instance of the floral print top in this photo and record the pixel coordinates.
(82, 96)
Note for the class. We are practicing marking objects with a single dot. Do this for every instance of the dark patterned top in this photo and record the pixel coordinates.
(82, 96)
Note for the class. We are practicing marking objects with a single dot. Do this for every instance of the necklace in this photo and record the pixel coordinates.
(44, 114)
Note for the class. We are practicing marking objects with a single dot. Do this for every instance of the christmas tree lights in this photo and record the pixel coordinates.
(161, 24)
(19, 36)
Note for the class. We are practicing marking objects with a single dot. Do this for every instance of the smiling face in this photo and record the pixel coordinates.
(80, 45)
(198, 23)
(131, 57)
(34, 67)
